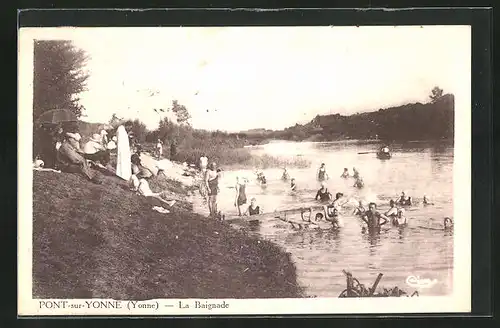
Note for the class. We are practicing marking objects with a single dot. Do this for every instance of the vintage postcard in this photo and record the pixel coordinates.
(244, 170)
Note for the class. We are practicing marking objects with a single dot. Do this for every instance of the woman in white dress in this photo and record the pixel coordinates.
(123, 164)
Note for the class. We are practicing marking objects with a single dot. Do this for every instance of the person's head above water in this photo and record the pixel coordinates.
(253, 201)
(338, 195)
(401, 212)
(392, 203)
(403, 193)
(346, 169)
(322, 164)
(372, 206)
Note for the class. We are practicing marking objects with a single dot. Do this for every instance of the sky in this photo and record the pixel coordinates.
(238, 78)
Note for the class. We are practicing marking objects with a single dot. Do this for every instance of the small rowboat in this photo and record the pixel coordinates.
(383, 155)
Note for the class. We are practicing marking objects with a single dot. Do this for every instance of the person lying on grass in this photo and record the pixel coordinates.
(70, 160)
(141, 186)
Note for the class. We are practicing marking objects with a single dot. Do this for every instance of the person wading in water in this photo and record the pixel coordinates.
(212, 185)
(372, 218)
(323, 195)
(253, 209)
(322, 175)
(241, 197)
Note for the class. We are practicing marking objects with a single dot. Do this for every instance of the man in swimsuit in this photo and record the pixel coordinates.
(400, 219)
(253, 209)
(372, 218)
(212, 187)
(323, 195)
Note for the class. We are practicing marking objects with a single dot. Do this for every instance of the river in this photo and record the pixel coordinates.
(418, 168)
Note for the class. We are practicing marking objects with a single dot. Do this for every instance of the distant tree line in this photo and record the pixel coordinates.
(431, 121)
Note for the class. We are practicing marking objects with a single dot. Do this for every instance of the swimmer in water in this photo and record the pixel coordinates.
(359, 210)
(253, 209)
(285, 176)
(403, 200)
(447, 223)
(393, 211)
(373, 218)
(323, 195)
(355, 173)
(426, 201)
(359, 183)
(400, 219)
(345, 174)
(322, 175)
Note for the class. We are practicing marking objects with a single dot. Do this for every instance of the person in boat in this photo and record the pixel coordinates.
(374, 219)
(322, 175)
(241, 197)
(253, 209)
(359, 183)
(293, 185)
(212, 187)
(360, 209)
(285, 176)
(426, 201)
(323, 195)
(400, 219)
(345, 174)
(403, 200)
(392, 212)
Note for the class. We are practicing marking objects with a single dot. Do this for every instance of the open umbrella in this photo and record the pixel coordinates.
(56, 116)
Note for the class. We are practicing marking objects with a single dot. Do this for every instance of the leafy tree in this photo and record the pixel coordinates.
(436, 93)
(181, 113)
(59, 76)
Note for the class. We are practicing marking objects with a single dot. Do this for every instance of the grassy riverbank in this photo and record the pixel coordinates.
(103, 241)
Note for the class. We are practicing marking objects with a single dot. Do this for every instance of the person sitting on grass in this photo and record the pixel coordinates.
(70, 160)
(141, 186)
(253, 209)
(138, 169)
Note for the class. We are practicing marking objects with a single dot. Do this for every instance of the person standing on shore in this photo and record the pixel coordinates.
(241, 197)
(212, 186)
(159, 149)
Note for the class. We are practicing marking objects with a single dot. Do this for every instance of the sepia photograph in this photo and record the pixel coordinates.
(244, 170)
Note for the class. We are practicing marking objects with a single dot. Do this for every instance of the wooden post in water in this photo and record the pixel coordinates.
(375, 284)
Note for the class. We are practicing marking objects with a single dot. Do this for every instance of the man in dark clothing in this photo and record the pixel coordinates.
(71, 160)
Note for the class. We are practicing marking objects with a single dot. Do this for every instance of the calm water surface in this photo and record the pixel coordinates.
(417, 168)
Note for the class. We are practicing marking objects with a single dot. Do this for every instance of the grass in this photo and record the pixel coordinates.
(225, 155)
(103, 241)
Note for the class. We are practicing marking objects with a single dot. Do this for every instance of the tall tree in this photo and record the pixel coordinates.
(59, 76)
(436, 93)
(181, 113)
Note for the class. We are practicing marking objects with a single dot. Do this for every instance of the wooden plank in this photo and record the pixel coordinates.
(277, 214)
